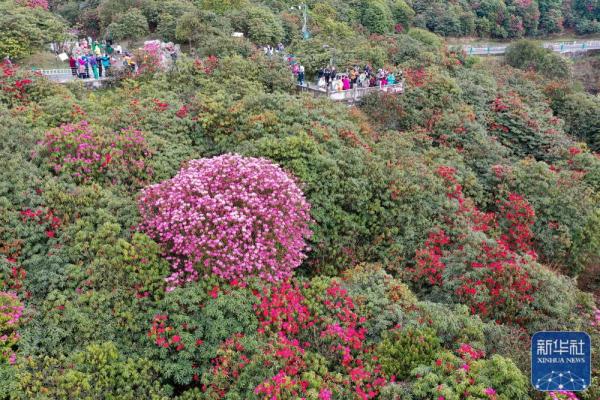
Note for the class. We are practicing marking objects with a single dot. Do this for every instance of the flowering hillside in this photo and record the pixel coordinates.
(203, 231)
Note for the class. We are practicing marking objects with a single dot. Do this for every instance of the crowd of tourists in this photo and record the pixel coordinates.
(92, 59)
(329, 78)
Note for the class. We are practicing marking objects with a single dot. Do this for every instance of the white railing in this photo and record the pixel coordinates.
(65, 75)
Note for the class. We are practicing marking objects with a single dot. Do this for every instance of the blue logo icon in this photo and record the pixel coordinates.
(561, 361)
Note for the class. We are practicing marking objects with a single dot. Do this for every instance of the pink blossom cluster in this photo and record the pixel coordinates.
(33, 3)
(11, 310)
(596, 320)
(562, 395)
(87, 153)
(230, 215)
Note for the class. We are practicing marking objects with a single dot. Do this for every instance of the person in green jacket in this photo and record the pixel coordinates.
(105, 60)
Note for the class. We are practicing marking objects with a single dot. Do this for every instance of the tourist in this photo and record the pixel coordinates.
(362, 79)
(327, 76)
(73, 65)
(322, 83)
(337, 84)
(301, 75)
(353, 77)
(94, 65)
(345, 83)
(99, 62)
(105, 63)
(82, 69)
(372, 81)
(391, 78)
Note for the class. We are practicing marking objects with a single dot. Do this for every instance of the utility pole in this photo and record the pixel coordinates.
(304, 9)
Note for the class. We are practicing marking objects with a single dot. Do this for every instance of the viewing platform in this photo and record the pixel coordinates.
(66, 76)
(349, 96)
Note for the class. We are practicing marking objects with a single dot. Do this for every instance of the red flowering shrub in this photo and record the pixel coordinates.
(525, 129)
(231, 216)
(47, 219)
(482, 272)
(86, 153)
(516, 217)
(310, 339)
(14, 84)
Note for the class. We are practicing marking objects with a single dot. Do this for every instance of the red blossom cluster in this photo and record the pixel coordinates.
(340, 331)
(163, 334)
(516, 219)
(160, 105)
(493, 282)
(289, 326)
(13, 84)
(415, 77)
(281, 309)
(208, 65)
(43, 217)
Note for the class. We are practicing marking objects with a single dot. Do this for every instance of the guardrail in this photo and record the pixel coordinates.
(65, 75)
(351, 95)
(562, 47)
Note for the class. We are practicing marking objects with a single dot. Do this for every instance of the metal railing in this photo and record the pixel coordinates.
(65, 75)
(351, 95)
(562, 47)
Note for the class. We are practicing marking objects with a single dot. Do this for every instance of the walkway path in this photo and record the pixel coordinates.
(560, 47)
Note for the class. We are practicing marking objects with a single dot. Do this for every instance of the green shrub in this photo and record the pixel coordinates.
(24, 30)
(100, 368)
(131, 25)
(262, 26)
(527, 54)
(403, 349)
(376, 16)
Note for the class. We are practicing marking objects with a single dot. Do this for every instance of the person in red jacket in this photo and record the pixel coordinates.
(73, 65)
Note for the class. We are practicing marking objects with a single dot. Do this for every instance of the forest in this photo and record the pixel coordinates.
(206, 232)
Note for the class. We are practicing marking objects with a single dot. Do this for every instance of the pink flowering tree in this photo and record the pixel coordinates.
(231, 216)
(33, 3)
(10, 314)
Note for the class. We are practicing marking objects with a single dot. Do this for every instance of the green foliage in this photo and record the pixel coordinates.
(222, 5)
(376, 16)
(100, 368)
(97, 319)
(449, 378)
(202, 322)
(527, 54)
(24, 30)
(564, 210)
(402, 12)
(402, 350)
(130, 25)
(261, 26)
(581, 113)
